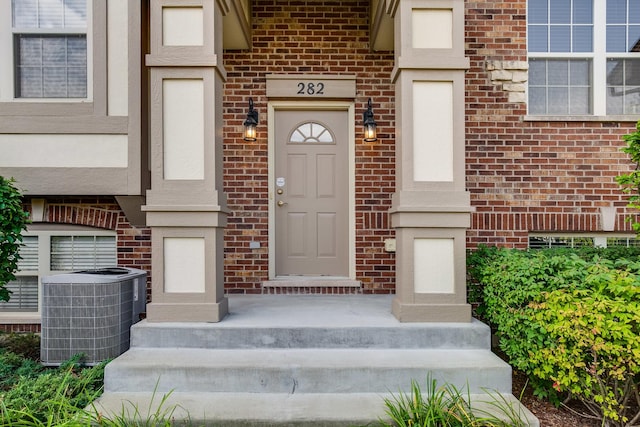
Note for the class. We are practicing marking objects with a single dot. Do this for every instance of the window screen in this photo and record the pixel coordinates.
(28, 254)
(50, 46)
(46, 252)
(24, 296)
(82, 252)
(576, 241)
(584, 57)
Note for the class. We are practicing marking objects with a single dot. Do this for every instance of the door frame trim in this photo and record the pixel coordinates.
(349, 108)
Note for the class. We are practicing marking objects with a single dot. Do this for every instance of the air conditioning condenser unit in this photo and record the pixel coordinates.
(90, 312)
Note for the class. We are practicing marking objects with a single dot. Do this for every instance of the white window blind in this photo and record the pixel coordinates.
(28, 254)
(49, 251)
(50, 48)
(82, 252)
(24, 296)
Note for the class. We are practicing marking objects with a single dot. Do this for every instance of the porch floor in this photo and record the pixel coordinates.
(310, 310)
(298, 360)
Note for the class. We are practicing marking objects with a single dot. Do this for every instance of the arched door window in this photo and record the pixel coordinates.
(311, 133)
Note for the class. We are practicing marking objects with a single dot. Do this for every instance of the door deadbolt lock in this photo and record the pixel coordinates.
(280, 191)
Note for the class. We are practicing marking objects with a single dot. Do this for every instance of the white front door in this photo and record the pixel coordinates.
(311, 190)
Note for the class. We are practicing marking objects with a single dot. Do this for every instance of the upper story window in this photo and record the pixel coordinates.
(584, 57)
(50, 48)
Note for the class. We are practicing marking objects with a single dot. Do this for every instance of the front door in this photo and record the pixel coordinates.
(311, 191)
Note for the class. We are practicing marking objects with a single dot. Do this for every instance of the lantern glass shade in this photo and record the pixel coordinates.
(250, 132)
(369, 124)
(370, 134)
(251, 123)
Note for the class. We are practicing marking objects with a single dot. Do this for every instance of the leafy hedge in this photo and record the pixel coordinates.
(570, 320)
(13, 220)
(630, 182)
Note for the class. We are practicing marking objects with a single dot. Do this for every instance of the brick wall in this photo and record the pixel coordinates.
(312, 37)
(133, 244)
(21, 328)
(529, 175)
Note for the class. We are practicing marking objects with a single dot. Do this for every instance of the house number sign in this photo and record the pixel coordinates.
(310, 86)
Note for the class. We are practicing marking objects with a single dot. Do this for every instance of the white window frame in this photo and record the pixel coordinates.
(44, 232)
(8, 57)
(598, 59)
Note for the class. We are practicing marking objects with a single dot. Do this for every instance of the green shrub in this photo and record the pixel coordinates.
(477, 261)
(508, 270)
(509, 278)
(14, 366)
(53, 391)
(630, 182)
(511, 281)
(13, 220)
(19, 355)
(570, 320)
(592, 348)
(26, 345)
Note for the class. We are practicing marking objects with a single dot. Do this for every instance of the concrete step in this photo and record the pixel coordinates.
(280, 360)
(474, 335)
(308, 321)
(274, 409)
(303, 370)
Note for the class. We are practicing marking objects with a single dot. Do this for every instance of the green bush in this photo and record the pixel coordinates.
(25, 344)
(570, 320)
(535, 270)
(13, 367)
(508, 278)
(13, 220)
(53, 391)
(592, 348)
(630, 182)
(19, 355)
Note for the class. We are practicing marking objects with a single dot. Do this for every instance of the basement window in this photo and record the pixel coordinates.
(546, 241)
(54, 249)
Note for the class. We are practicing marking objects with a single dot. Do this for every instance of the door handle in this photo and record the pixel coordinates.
(281, 203)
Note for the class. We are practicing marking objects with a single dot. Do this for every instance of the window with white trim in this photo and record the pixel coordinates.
(54, 250)
(50, 48)
(584, 57)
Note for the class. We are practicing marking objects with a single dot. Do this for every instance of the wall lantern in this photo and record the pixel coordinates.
(369, 124)
(251, 123)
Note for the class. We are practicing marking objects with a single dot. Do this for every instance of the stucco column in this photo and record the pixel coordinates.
(185, 205)
(431, 209)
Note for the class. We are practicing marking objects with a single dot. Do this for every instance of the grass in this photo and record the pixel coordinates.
(447, 406)
(131, 416)
(34, 396)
